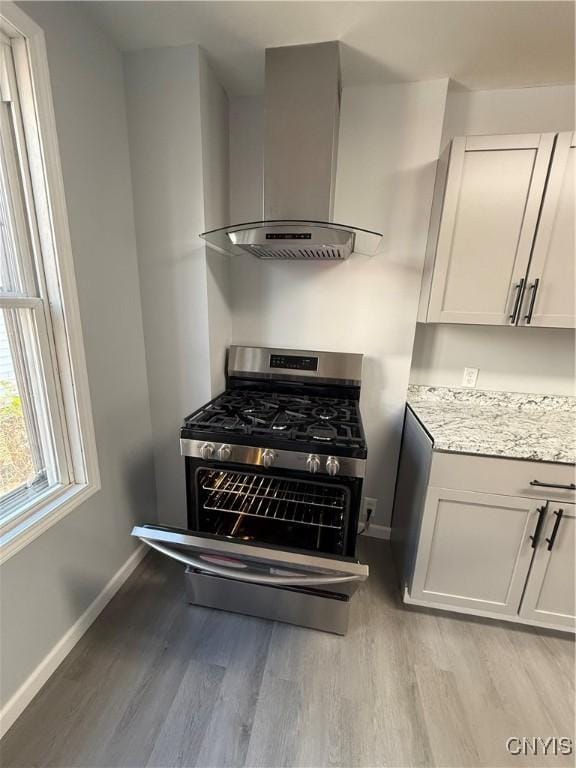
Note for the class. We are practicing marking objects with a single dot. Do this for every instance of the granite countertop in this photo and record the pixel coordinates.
(512, 424)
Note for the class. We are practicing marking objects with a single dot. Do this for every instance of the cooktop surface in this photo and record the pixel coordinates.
(298, 421)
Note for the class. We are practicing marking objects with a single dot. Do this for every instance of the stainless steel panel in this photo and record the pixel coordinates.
(302, 98)
(239, 571)
(327, 240)
(294, 241)
(300, 158)
(322, 612)
(295, 460)
(335, 367)
(194, 544)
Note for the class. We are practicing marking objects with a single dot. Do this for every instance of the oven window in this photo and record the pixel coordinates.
(273, 510)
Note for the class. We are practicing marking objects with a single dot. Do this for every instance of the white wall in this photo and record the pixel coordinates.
(177, 116)
(216, 181)
(389, 139)
(47, 585)
(536, 360)
(514, 110)
(163, 98)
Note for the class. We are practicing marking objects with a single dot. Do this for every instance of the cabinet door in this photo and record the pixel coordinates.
(550, 595)
(474, 550)
(493, 194)
(549, 299)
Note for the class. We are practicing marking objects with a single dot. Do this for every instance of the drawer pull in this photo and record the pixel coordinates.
(552, 539)
(536, 536)
(561, 486)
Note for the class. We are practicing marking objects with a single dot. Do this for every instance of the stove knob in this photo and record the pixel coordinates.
(313, 462)
(332, 465)
(224, 452)
(268, 458)
(207, 450)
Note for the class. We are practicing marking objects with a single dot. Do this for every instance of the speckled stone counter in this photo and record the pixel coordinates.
(510, 424)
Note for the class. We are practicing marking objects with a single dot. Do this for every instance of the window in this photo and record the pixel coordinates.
(47, 447)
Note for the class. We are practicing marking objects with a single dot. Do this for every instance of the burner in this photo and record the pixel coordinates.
(325, 432)
(325, 413)
(229, 422)
(285, 419)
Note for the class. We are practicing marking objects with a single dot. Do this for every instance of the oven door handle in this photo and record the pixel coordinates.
(251, 576)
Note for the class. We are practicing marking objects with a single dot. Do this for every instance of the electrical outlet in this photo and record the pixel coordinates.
(470, 377)
(367, 513)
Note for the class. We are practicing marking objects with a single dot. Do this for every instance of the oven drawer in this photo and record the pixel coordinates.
(327, 612)
(252, 563)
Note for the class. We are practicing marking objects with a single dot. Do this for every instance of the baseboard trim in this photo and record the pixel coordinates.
(376, 531)
(30, 687)
(484, 614)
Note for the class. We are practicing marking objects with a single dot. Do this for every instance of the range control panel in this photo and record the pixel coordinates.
(294, 362)
(288, 236)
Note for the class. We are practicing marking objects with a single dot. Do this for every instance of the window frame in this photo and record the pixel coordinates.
(62, 331)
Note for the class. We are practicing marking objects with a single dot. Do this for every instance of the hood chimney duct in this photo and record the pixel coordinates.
(302, 119)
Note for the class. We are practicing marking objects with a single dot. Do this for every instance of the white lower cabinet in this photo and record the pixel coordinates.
(488, 536)
(495, 555)
(474, 550)
(550, 597)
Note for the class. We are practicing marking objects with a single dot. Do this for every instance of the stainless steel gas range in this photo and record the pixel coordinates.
(274, 472)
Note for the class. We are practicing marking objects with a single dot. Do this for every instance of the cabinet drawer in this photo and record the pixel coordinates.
(510, 477)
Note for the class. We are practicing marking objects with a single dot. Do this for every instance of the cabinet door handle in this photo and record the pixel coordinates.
(533, 288)
(536, 535)
(519, 290)
(552, 539)
(561, 486)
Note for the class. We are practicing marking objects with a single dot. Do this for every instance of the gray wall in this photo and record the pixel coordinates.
(163, 103)
(47, 585)
(178, 125)
(214, 111)
(537, 360)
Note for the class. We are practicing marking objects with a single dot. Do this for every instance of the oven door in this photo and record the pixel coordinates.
(255, 564)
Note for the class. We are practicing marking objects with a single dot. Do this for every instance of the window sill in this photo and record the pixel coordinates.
(26, 527)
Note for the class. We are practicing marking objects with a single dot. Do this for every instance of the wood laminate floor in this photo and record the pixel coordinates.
(156, 682)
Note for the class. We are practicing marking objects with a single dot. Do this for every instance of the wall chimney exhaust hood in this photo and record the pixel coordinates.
(302, 101)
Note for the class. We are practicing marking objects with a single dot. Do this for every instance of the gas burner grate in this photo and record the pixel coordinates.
(321, 422)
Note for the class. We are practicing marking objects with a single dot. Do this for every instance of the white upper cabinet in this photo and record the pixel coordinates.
(486, 220)
(549, 296)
